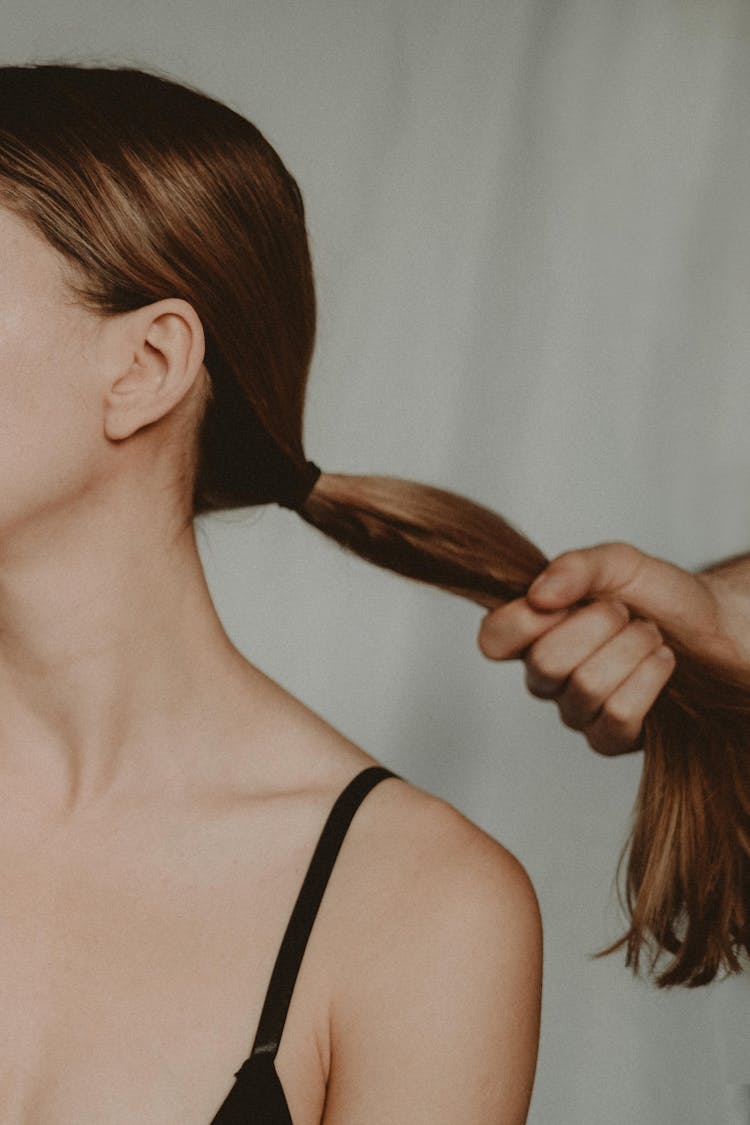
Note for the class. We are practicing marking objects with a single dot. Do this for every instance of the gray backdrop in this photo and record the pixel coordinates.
(531, 229)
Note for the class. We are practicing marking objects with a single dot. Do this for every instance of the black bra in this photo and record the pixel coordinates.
(257, 1096)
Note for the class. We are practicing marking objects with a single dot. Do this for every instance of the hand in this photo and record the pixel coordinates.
(604, 660)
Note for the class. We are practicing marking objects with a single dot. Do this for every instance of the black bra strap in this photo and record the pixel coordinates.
(303, 915)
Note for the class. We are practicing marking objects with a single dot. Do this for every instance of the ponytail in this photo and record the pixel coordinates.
(427, 534)
(687, 881)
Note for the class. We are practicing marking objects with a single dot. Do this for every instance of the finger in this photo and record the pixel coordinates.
(649, 586)
(616, 730)
(587, 572)
(553, 658)
(505, 632)
(593, 681)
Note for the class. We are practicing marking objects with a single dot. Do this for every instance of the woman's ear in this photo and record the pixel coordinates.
(155, 355)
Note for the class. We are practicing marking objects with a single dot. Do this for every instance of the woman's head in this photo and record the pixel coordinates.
(152, 191)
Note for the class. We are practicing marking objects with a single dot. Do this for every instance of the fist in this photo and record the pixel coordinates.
(591, 633)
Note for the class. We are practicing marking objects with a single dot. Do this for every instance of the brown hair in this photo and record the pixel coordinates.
(151, 189)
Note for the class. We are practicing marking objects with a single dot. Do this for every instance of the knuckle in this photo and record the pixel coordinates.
(532, 662)
(540, 686)
(599, 744)
(616, 719)
(623, 547)
(538, 693)
(627, 555)
(609, 742)
(570, 719)
(607, 747)
(538, 668)
(582, 685)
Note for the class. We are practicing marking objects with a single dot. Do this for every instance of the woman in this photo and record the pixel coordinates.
(162, 797)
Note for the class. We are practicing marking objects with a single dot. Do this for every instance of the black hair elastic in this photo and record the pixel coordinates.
(298, 486)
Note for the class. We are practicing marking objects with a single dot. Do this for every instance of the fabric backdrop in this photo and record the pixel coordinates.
(531, 229)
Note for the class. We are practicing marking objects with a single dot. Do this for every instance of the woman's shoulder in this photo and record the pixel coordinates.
(419, 848)
(402, 833)
(436, 966)
(408, 853)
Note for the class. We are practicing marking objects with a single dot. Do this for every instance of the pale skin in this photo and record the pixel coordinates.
(605, 663)
(162, 796)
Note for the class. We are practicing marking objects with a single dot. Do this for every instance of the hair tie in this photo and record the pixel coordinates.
(298, 486)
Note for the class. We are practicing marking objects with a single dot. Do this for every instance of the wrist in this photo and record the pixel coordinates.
(729, 588)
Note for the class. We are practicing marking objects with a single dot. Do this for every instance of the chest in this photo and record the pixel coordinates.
(132, 977)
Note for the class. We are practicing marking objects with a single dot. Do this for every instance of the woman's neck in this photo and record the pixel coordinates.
(112, 661)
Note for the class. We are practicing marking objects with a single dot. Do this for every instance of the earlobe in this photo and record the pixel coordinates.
(160, 350)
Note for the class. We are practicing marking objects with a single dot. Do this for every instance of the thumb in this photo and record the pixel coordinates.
(673, 598)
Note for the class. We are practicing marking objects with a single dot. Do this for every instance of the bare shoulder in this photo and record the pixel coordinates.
(435, 1010)
(412, 843)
